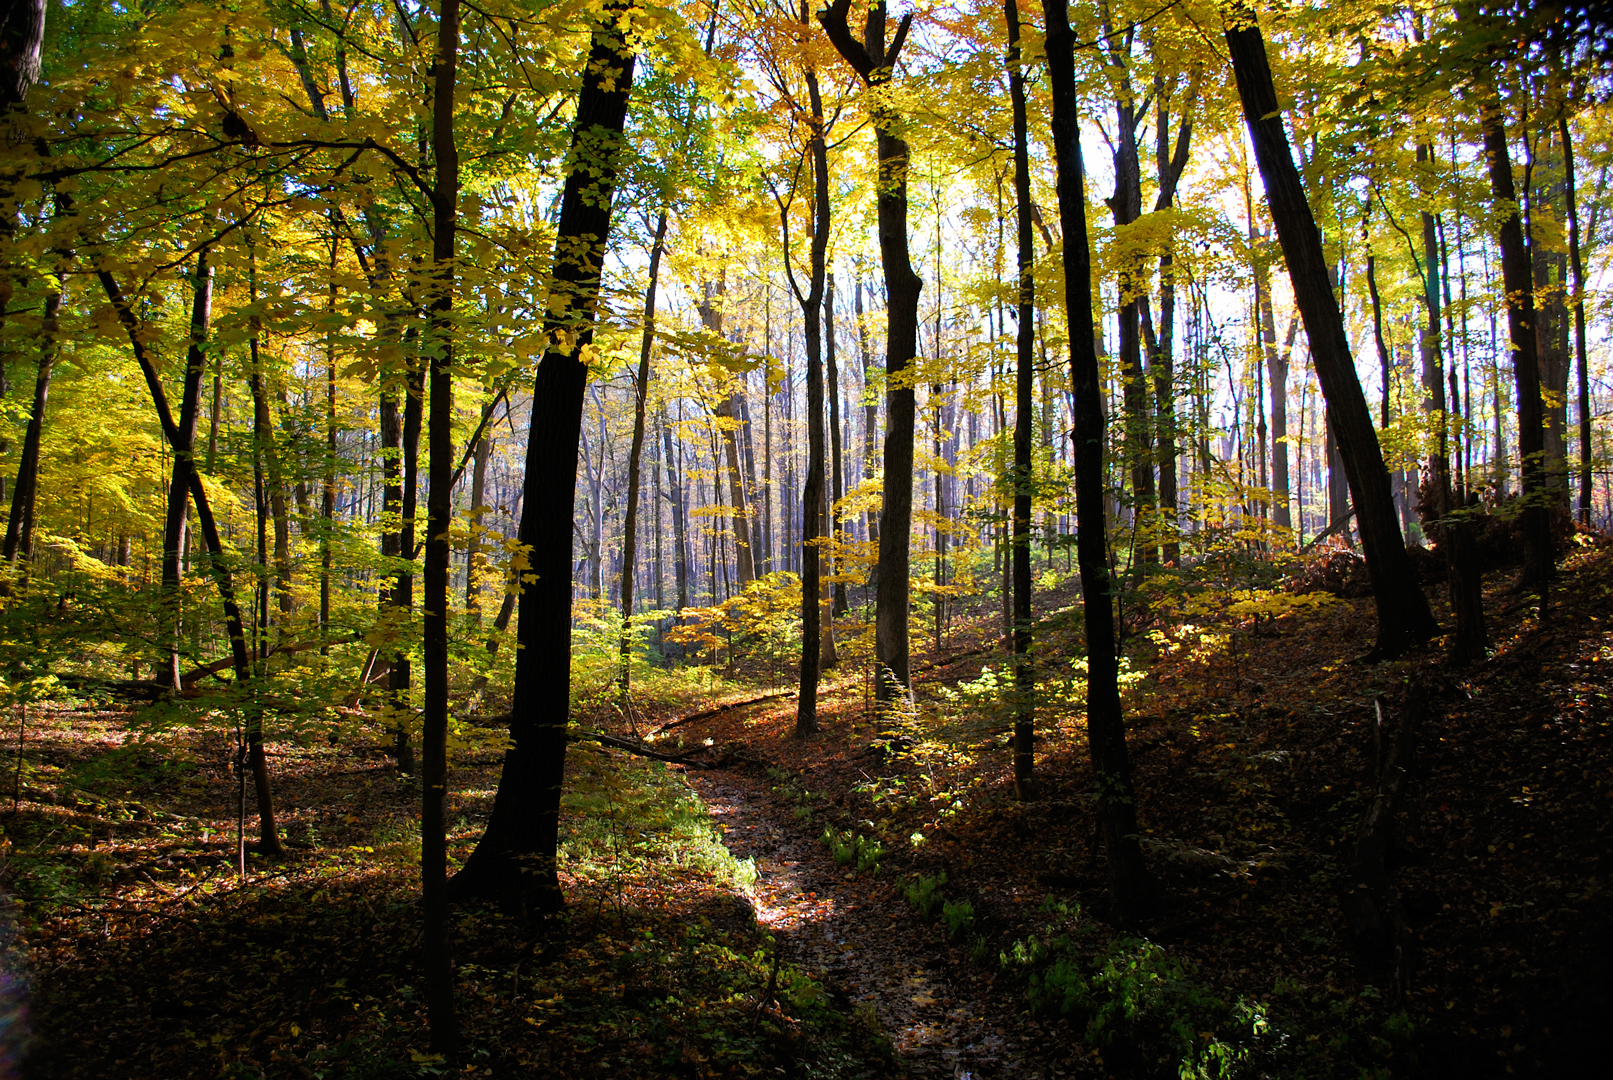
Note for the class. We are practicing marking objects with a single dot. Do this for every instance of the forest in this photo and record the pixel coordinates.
(719, 538)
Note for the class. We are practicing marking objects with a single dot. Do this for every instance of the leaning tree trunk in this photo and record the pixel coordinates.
(876, 63)
(1131, 890)
(1024, 693)
(174, 432)
(515, 858)
(1404, 618)
(25, 493)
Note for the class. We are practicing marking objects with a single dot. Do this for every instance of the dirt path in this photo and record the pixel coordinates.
(858, 936)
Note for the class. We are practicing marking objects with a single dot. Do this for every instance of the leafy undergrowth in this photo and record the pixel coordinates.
(1254, 752)
(150, 958)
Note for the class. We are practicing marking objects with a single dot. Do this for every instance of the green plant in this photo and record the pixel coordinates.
(924, 894)
(958, 916)
(849, 849)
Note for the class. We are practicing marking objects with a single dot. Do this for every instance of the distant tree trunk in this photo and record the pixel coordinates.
(728, 412)
(1539, 560)
(1582, 367)
(1131, 890)
(1277, 380)
(1404, 618)
(515, 858)
(680, 540)
(1338, 486)
(876, 65)
(437, 958)
(475, 561)
(1024, 374)
(327, 501)
(870, 407)
(842, 602)
(641, 394)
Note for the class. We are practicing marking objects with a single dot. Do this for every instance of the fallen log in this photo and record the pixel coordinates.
(718, 710)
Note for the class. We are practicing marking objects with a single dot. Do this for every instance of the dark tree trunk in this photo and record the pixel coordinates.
(1539, 559)
(22, 35)
(812, 493)
(1404, 618)
(475, 561)
(870, 405)
(1131, 889)
(876, 65)
(1277, 385)
(1024, 693)
(515, 859)
(436, 954)
(641, 393)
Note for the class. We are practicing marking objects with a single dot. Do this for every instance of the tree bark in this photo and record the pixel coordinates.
(1404, 618)
(842, 602)
(515, 858)
(1131, 889)
(876, 64)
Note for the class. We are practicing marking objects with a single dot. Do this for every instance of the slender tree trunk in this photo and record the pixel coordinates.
(437, 958)
(1539, 559)
(1582, 367)
(1024, 374)
(515, 859)
(870, 407)
(1131, 890)
(475, 561)
(876, 64)
(1277, 380)
(680, 540)
(842, 602)
(641, 393)
(1404, 618)
(813, 498)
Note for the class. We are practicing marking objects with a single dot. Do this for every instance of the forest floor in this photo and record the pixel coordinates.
(788, 915)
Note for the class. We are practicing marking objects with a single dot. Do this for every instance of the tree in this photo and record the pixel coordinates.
(875, 64)
(1131, 889)
(514, 861)
(1024, 360)
(1404, 618)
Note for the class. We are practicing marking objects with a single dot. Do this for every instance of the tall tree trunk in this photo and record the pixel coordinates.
(1539, 560)
(641, 394)
(475, 561)
(436, 956)
(813, 499)
(728, 414)
(515, 859)
(1024, 374)
(1404, 618)
(1582, 367)
(876, 65)
(22, 36)
(1277, 380)
(400, 682)
(1131, 890)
